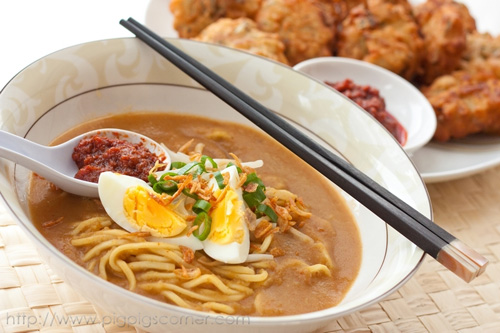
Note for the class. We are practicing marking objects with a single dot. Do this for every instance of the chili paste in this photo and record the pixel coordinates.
(369, 99)
(98, 154)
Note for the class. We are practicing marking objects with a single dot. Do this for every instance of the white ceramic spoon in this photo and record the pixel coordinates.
(56, 164)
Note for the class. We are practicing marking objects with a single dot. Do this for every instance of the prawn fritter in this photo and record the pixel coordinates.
(481, 46)
(466, 102)
(192, 16)
(301, 25)
(243, 34)
(383, 33)
(444, 25)
(342, 7)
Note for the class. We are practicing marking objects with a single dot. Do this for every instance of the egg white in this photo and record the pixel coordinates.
(233, 252)
(112, 188)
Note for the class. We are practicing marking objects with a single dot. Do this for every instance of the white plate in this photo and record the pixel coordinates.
(446, 161)
(436, 162)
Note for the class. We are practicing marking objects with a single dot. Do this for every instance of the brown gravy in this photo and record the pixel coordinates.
(288, 292)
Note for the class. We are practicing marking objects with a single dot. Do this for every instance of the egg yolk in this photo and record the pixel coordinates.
(150, 215)
(227, 219)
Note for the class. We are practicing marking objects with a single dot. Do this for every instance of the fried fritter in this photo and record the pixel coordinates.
(444, 25)
(383, 33)
(481, 46)
(466, 101)
(192, 16)
(341, 8)
(301, 25)
(242, 33)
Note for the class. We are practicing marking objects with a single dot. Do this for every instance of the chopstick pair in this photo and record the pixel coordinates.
(432, 239)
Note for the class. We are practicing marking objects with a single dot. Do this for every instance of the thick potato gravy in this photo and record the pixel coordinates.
(287, 290)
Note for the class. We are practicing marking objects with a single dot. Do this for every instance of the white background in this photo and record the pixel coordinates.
(31, 29)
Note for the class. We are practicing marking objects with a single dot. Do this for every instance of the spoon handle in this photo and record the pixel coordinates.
(20, 150)
(38, 158)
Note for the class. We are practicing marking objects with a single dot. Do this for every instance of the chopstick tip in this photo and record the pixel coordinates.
(462, 260)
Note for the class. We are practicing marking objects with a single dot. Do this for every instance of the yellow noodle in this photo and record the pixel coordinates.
(302, 236)
(326, 255)
(187, 273)
(318, 245)
(176, 299)
(175, 257)
(153, 275)
(91, 264)
(218, 297)
(249, 277)
(102, 265)
(148, 265)
(236, 269)
(128, 273)
(208, 262)
(212, 279)
(91, 240)
(96, 250)
(132, 248)
(264, 264)
(94, 222)
(150, 257)
(204, 295)
(145, 245)
(259, 277)
(240, 287)
(319, 268)
(265, 244)
(180, 290)
(172, 254)
(219, 307)
(160, 267)
(114, 232)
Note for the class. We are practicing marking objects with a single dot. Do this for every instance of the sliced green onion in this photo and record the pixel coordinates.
(203, 221)
(186, 168)
(201, 206)
(253, 199)
(166, 186)
(220, 179)
(171, 174)
(189, 194)
(177, 165)
(237, 167)
(267, 210)
(253, 178)
(152, 179)
(204, 158)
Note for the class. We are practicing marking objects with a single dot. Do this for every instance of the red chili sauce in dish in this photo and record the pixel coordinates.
(98, 154)
(369, 99)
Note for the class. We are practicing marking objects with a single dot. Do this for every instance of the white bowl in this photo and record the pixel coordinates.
(403, 100)
(86, 81)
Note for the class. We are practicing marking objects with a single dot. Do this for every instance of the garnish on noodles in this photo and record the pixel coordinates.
(200, 203)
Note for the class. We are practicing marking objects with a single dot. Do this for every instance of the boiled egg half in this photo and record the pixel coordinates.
(228, 240)
(135, 206)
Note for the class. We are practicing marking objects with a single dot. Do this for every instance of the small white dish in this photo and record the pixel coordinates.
(403, 100)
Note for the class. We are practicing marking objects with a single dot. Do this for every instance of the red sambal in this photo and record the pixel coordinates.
(98, 154)
(369, 99)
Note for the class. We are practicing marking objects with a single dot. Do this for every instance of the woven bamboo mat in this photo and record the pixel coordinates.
(34, 299)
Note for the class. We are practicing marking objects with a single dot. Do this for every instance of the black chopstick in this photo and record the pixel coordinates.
(417, 228)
